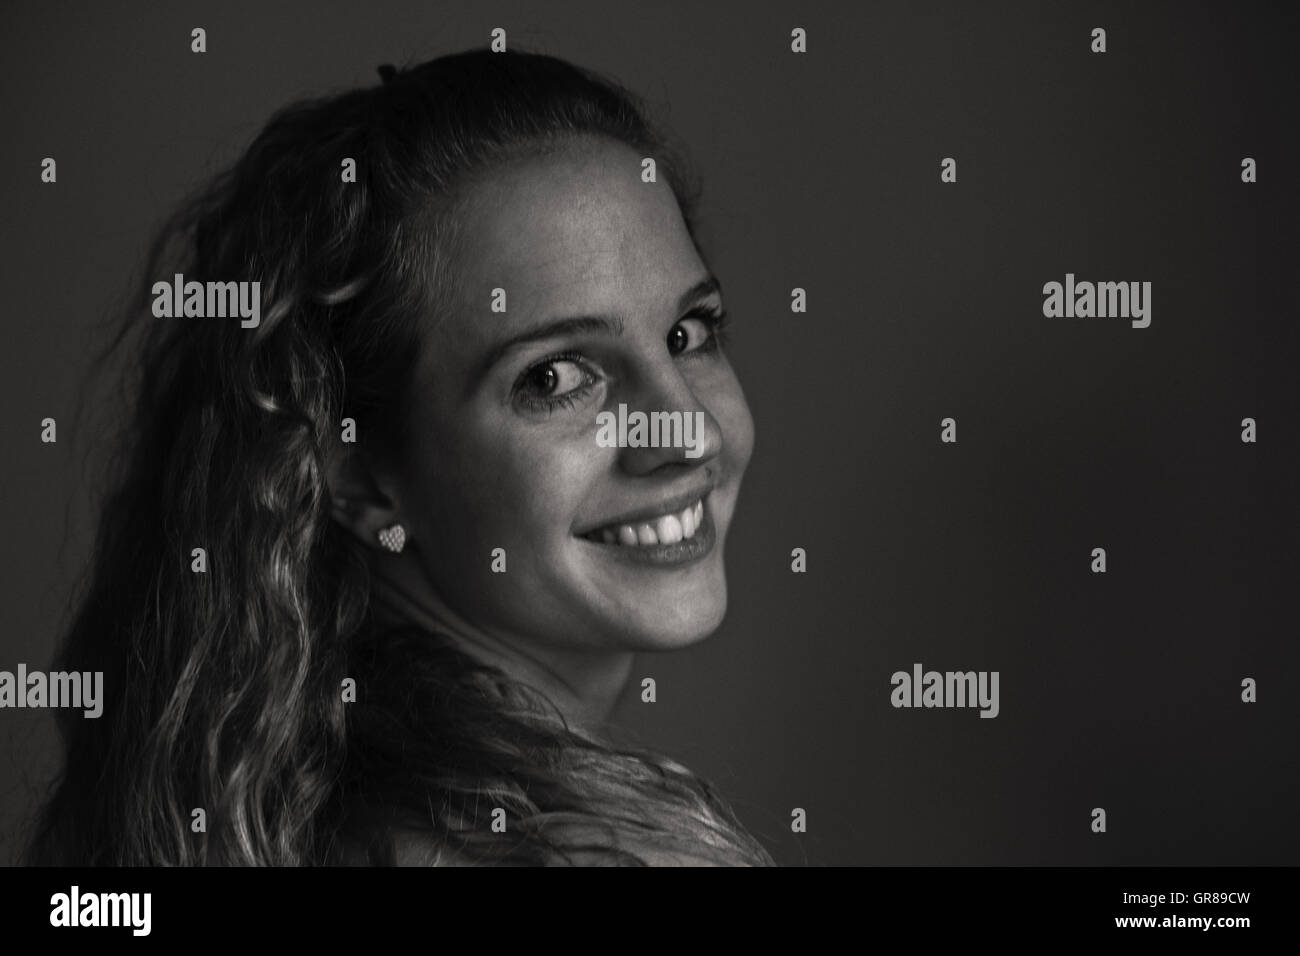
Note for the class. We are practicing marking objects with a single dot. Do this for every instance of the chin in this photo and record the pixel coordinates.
(664, 613)
(690, 626)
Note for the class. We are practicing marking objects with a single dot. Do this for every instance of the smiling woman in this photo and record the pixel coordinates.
(423, 576)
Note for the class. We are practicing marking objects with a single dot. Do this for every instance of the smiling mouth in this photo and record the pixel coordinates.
(668, 529)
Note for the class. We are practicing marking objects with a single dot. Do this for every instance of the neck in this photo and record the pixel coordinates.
(584, 685)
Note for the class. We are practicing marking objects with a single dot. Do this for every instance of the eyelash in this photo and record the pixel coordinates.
(716, 321)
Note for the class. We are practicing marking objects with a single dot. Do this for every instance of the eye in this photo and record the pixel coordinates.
(700, 331)
(553, 378)
(558, 380)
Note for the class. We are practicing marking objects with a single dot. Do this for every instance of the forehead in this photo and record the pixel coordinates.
(574, 232)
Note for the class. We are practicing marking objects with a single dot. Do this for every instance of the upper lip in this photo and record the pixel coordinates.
(665, 507)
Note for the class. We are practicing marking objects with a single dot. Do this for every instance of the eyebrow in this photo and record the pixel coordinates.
(579, 324)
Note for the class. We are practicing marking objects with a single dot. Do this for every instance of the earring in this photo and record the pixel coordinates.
(393, 538)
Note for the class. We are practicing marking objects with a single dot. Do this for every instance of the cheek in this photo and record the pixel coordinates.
(515, 491)
(726, 403)
(543, 485)
(521, 489)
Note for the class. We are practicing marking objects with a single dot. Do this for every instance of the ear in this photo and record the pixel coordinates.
(363, 496)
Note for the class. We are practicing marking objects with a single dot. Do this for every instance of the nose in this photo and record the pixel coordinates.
(678, 430)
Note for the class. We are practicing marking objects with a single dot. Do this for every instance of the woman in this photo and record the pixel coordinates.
(369, 584)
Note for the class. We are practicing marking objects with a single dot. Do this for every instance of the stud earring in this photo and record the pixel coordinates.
(393, 538)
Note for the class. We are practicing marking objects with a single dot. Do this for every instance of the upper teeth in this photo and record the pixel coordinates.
(667, 529)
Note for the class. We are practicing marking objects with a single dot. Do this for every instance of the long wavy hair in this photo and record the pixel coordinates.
(222, 689)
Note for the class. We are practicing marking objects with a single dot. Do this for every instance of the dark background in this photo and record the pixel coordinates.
(821, 170)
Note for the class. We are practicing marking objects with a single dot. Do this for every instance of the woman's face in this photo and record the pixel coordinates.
(606, 303)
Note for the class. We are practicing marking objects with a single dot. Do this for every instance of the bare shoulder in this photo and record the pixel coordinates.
(424, 849)
(653, 856)
(417, 848)
(397, 846)
(599, 841)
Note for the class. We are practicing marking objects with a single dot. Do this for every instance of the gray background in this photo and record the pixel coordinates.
(1118, 690)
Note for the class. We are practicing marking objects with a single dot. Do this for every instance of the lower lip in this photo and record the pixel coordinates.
(686, 551)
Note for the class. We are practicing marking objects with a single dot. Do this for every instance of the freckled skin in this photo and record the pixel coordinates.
(572, 234)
